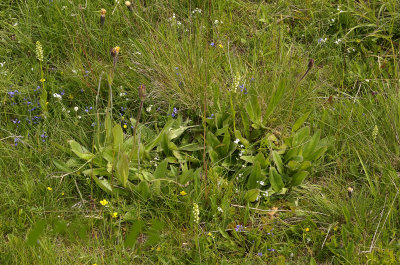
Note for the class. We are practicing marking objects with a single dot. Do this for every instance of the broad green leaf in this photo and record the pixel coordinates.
(251, 195)
(226, 143)
(276, 98)
(118, 137)
(191, 147)
(261, 159)
(62, 166)
(242, 140)
(309, 147)
(96, 172)
(103, 184)
(164, 144)
(186, 176)
(300, 121)
(108, 126)
(249, 159)
(123, 168)
(305, 165)
(212, 140)
(298, 178)
(301, 136)
(318, 153)
(153, 143)
(133, 233)
(275, 179)
(161, 170)
(278, 161)
(293, 165)
(254, 176)
(175, 133)
(80, 151)
(253, 109)
(144, 190)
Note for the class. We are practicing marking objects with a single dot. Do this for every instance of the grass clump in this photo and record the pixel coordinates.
(201, 132)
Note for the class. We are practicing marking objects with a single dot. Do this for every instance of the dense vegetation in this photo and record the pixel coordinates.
(199, 132)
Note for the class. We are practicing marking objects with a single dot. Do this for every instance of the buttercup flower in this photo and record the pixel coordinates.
(183, 193)
(104, 202)
(114, 215)
(49, 188)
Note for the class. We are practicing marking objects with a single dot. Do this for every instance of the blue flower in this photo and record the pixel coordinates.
(239, 228)
(259, 254)
(43, 136)
(174, 112)
(16, 140)
(212, 44)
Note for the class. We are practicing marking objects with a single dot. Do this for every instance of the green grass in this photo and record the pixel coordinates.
(236, 65)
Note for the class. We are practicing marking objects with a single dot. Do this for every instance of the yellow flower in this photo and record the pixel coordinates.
(307, 229)
(125, 126)
(209, 234)
(158, 249)
(62, 193)
(114, 215)
(47, 103)
(220, 45)
(104, 202)
(42, 80)
(335, 228)
(183, 193)
(71, 96)
(49, 188)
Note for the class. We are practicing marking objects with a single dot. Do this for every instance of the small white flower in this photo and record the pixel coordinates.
(148, 109)
(56, 95)
(262, 183)
(79, 117)
(338, 41)
(15, 24)
(241, 146)
(74, 71)
(76, 108)
(220, 209)
(2, 64)
(236, 141)
(122, 94)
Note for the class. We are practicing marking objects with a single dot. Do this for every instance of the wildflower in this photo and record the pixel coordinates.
(125, 126)
(114, 215)
(209, 234)
(259, 254)
(62, 193)
(183, 193)
(56, 95)
(158, 249)
(129, 6)
(43, 136)
(211, 117)
(338, 41)
(307, 229)
(236, 141)
(271, 249)
(39, 51)
(212, 44)
(16, 140)
(88, 109)
(322, 40)
(196, 212)
(104, 202)
(350, 191)
(148, 109)
(220, 210)
(174, 112)
(49, 188)
(220, 45)
(79, 117)
(375, 132)
(239, 228)
(142, 92)
(42, 80)
(114, 54)
(102, 16)
(76, 108)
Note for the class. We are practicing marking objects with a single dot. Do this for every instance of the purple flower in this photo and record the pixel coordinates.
(88, 108)
(239, 228)
(16, 140)
(211, 117)
(43, 136)
(259, 254)
(212, 44)
(174, 112)
(16, 121)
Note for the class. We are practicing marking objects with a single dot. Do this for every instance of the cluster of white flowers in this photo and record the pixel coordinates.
(196, 11)
(338, 41)
(196, 214)
(148, 109)
(174, 21)
(56, 95)
(218, 22)
(220, 210)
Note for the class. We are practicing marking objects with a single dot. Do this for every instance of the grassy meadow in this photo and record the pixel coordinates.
(199, 132)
